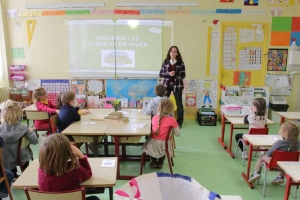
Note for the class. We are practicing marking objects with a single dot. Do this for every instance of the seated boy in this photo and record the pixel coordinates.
(151, 108)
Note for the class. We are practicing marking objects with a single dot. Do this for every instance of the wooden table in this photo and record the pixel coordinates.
(131, 113)
(288, 115)
(118, 130)
(83, 132)
(102, 176)
(257, 141)
(292, 174)
(234, 121)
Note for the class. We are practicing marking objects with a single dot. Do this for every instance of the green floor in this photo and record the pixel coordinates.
(199, 155)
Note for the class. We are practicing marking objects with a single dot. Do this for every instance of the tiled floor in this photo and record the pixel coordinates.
(199, 155)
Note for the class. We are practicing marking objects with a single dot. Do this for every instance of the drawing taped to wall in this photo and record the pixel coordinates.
(207, 93)
(251, 2)
(241, 78)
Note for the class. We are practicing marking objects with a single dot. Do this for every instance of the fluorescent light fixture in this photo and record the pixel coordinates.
(157, 4)
(64, 5)
(157, 8)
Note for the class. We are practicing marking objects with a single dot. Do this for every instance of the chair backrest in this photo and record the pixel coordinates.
(36, 115)
(259, 131)
(23, 142)
(78, 194)
(283, 156)
(168, 138)
(53, 123)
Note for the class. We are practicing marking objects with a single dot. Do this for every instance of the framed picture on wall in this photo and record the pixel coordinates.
(277, 59)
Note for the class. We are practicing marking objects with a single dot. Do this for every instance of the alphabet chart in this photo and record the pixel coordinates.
(54, 87)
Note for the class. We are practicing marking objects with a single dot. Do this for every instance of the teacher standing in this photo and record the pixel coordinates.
(173, 72)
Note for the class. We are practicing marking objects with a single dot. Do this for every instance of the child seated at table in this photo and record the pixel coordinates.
(151, 109)
(73, 102)
(11, 130)
(42, 104)
(155, 144)
(289, 132)
(256, 119)
(62, 167)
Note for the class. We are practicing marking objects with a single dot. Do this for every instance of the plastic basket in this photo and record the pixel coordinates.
(164, 186)
(17, 68)
(17, 76)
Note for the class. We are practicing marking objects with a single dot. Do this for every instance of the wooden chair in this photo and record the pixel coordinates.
(169, 158)
(272, 164)
(38, 115)
(252, 131)
(78, 194)
(23, 143)
(53, 123)
(4, 178)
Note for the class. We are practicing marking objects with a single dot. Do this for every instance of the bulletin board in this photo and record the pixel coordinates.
(280, 84)
(242, 49)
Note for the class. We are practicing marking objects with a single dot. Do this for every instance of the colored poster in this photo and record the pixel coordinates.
(17, 53)
(190, 99)
(277, 59)
(95, 86)
(78, 86)
(251, 2)
(207, 93)
(241, 78)
(226, 1)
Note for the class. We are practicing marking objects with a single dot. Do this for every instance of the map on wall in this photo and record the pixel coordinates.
(132, 89)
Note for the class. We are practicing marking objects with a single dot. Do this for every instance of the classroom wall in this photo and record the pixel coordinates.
(48, 55)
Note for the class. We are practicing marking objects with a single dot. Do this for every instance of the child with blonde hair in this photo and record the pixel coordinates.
(289, 132)
(11, 130)
(62, 166)
(155, 144)
(42, 104)
(256, 119)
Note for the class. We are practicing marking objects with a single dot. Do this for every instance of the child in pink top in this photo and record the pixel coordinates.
(42, 104)
(155, 144)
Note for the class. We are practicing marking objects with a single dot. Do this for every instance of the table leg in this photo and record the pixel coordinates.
(230, 144)
(110, 193)
(95, 146)
(221, 139)
(287, 187)
(106, 146)
(117, 153)
(246, 176)
(281, 120)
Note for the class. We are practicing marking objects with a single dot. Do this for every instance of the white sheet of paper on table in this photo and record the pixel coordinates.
(137, 125)
(108, 163)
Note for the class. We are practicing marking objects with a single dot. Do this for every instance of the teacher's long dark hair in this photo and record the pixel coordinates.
(178, 57)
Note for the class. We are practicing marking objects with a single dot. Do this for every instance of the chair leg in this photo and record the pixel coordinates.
(244, 160)
(86, 148)
(296, 188)
(8, 189)
(142, 162)
(174, 145)
(169, 162)
(265, 179)
(172, 161)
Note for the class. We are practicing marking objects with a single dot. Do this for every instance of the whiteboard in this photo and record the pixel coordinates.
(279, 84)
